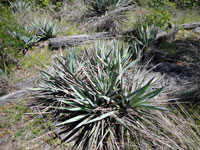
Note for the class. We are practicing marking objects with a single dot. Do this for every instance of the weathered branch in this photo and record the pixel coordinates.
(190, 25)
(56, 43)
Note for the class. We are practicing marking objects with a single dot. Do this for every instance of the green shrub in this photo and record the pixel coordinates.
(141, 2)
(14, 40)
(156, 17)
(187, 3)
(43, 3)
(159, 3)
(9, 46)
(95, 100)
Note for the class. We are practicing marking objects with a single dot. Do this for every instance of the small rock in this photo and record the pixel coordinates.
(28, 83)
(14, 97)
(21, 93)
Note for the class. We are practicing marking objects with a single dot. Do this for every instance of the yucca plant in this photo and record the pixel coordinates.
(145, 35)
(101, 7)
(44, 28)
(95, 100)
(142, 39)
(107, 15)
(26, 41)
(20, 6)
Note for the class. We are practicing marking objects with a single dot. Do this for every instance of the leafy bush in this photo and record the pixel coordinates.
(187, 3)
(159, 15)
(9, 46)
(158, 18)
(43, 3)
(14, 40)
(159, 3)
(96, 100)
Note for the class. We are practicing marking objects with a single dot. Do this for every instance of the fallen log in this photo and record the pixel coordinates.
(188, 26)
(62, 42)
(67, 41)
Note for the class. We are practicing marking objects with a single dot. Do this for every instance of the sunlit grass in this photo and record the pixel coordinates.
(185, 16)
(36, 59)
(68, 29)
